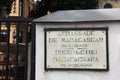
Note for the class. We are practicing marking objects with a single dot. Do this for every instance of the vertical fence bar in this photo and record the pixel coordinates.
(17, 51)
(0, 44)
(26, 50)
(32, 77)
(7, 52)
(0, 33)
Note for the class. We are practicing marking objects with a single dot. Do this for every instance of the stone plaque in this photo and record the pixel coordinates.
(76, 49)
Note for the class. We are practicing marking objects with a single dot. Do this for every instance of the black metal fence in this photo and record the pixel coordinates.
(17, 49)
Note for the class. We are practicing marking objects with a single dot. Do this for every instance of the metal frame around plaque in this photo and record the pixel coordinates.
(76, 49)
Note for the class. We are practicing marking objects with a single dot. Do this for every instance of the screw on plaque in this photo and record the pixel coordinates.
(48, 65)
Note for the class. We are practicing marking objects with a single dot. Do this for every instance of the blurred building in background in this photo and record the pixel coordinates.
(109, 4)
(22, 8)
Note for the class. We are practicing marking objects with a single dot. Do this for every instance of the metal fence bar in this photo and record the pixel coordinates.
(7, 52)
(0, 44)
(26, 50)
(33, 52)
(0, 32)
(17, 51)
(16, 21)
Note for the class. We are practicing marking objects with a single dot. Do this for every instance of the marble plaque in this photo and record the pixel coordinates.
(76, 48)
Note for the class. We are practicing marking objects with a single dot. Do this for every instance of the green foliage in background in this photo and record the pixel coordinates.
(5, 5)
(53, 5)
